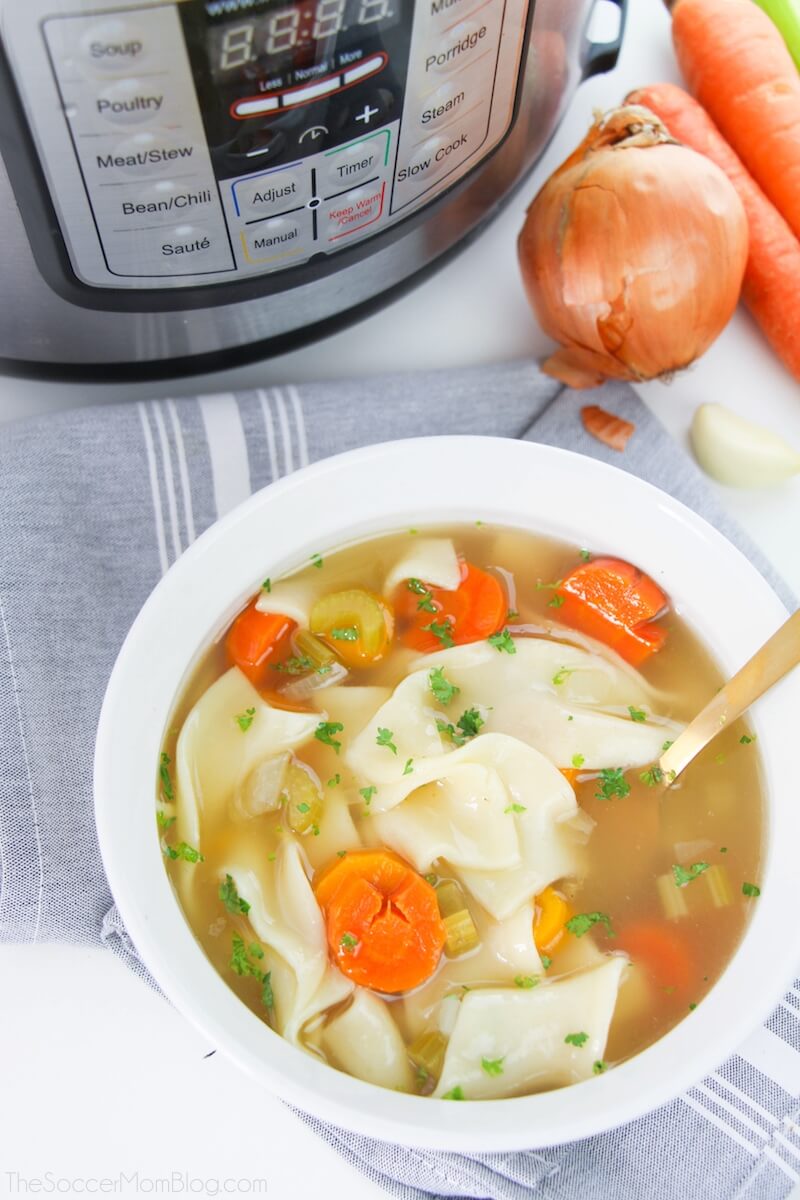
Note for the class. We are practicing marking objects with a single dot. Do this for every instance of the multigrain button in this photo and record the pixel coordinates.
(146, 153)
(129, 102)
(447, 103)
(349, 166)
(279, 237)
(459, 47)
(275, 192)
(114, 45)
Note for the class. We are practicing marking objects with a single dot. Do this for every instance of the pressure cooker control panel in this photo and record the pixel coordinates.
(196, 141)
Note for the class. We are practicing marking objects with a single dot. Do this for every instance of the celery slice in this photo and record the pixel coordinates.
(673, 899)
(303, 800)
(785, 14)
(428, 1052)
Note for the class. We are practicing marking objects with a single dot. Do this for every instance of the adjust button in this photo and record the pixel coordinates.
(275, 192)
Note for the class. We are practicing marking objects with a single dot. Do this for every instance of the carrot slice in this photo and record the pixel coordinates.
(611, 430)
(615, 602)
(255, 639)
(661, 952)
(474, 611)
(383, 922)
(552, 914)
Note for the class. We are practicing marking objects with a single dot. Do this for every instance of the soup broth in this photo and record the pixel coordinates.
(478, 764)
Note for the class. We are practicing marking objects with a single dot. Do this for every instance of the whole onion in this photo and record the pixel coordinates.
(632, 253)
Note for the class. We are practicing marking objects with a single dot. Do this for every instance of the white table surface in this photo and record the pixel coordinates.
(101, 1077)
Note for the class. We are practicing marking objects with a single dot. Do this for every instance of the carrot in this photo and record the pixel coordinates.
(475, 610)
(383, 922)
(552, 914)
(661, 952)
(256, 638)
(770, 288)
(614, 602)
(737, 66)
(613, 431)
(570, 774)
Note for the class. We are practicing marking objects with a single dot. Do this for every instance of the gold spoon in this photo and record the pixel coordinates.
(769, 664)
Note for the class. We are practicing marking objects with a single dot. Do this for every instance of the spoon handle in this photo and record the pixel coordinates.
(769, 664)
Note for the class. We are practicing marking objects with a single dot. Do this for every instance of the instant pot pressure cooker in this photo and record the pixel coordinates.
(188, 183)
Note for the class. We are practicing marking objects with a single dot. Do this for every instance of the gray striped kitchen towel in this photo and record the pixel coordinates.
(94, 506)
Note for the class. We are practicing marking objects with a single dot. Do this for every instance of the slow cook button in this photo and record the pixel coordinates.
(275, 192)
(114, 45)
(146, 153)
(349, 214)
(457, 49)
(449, 101)
(350, 166)
(129, 102)
(280, 237)
(435, 155)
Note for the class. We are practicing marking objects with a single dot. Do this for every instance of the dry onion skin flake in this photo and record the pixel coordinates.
(633, 253)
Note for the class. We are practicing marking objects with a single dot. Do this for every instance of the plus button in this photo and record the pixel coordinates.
(367, 115)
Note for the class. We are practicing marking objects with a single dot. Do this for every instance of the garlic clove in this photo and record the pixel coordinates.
(737, 452)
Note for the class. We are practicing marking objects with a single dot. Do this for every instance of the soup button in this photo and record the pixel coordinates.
(115, 45)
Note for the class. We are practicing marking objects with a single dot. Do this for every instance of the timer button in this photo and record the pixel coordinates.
(114, 45)
(460, 47)
(352, 164)
(275, 192)
(129, 102)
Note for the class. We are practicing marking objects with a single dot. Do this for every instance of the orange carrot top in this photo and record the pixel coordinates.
(615, 602)
(383, 922)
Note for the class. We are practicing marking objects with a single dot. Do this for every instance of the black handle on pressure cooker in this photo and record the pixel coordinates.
(602, 56)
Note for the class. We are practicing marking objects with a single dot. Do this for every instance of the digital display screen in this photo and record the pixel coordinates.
(294, 31)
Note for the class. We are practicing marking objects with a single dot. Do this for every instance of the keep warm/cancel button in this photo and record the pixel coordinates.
(354, 211)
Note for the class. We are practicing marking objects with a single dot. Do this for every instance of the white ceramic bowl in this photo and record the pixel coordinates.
(394, 486)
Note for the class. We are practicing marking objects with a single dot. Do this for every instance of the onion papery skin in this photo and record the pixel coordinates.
(632, 254)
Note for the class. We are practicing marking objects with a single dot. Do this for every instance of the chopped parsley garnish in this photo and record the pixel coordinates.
(348, 634)
(684, 875)
(164, 822)
(723, 849)
(325, 731)
(348, 942)
(546, 961)
(467, 726)
(493, 1066)
(502, 642)
(577, 761)
(267, 996)
(576, 1039)
(526, 981)
(637, 714)
(581, 923)
(585, 555)
(409, 767)
(183, 851)
(425, 604)
(562, 675)
(541, 586)
(598, 1067)
(443, 690)
(443, 630)
(231, 898)
(515, 808)
(746, 739)
(164, 775)
(666, 745)
(384, 738)
(612, 783)
(652, 777)
(432, 879)
(692, 1007)
(750, 889)
(512, 615)
(316, 560)
(303, 807)
(556, 601)
(456, 1093)
(719, 759)
(335, 780)
(341, 853)
(367, 793)
(298, 665)
(245, 720)
(266, 585)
